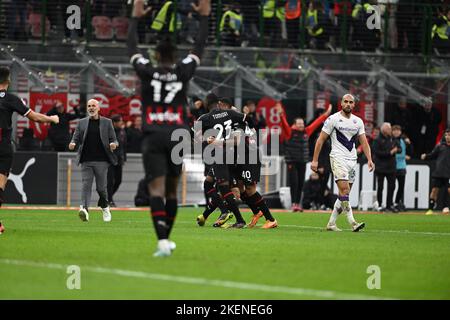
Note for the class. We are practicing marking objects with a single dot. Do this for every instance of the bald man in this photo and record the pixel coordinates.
(345, 129)
(96, 141)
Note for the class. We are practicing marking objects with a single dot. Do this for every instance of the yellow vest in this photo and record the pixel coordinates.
(311, 19)
(269, 10)
(441, 31)
(235, 21)
(161, 17)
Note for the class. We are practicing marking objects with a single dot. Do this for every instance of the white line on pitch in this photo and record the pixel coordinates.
(324, 294)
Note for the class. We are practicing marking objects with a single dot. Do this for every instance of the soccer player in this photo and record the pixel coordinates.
(10, 103)
(213, 198)
(248, 175)
(220, 121)
(344, 128)
(164, 101)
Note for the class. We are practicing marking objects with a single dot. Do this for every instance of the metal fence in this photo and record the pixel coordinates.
(336, 25)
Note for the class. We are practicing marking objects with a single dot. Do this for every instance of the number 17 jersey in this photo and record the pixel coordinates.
(164, 92)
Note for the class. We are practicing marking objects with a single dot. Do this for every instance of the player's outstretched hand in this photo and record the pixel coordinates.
(55, 119)
(139, 10)
(71, 146)
(423, 156)
(113, 146)
(203, 8)
(371, 166)
(314, 166)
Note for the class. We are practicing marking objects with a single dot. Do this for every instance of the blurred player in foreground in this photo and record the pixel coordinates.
(10, 103)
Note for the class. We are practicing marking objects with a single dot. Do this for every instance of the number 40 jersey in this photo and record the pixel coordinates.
(164, 92)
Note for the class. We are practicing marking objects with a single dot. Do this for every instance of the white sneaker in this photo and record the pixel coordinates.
(163, 249)
(106, 214)
(83, 214)
(172, 245)
(446, 210)
(358, 226)
(332, 228)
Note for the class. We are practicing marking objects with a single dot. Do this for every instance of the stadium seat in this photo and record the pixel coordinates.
(103, 29)
(34, 23)
(120, 25)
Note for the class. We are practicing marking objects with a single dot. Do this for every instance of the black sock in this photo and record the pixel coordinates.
(171, 211)
(159, 217)
(2, 199)
(431, 204)
(228, 196)
(250, 204)
(259, 201)
(214, 200)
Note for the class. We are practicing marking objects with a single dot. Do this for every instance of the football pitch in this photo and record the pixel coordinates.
(407, 256)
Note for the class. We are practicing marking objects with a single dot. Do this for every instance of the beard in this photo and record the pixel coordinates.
(347, 110)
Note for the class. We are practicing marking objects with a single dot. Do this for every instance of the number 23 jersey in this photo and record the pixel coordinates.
(164, 91)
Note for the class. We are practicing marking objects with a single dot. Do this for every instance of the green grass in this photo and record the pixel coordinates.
(412, 251)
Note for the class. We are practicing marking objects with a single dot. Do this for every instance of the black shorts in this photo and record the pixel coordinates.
(249, 173)
(156, 154)
(222, 172)
(440, 182)
(6, 157)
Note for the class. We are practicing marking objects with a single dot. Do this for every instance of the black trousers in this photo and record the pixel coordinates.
(296, 178)
(400, 176)
(391, 187)
(114, 180)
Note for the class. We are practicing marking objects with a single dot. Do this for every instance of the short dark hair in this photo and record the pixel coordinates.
(396, 127)
(116, 117)
(447, 130)
(211, 101)
(226, 101)
(251, 102)
(4, 74)
(166, 50)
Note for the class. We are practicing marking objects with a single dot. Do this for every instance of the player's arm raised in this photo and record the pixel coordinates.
(203, 9)
(317, 148)
(366, 149)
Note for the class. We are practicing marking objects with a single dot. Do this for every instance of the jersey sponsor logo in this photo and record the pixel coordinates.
(2, 94)
(157, 115)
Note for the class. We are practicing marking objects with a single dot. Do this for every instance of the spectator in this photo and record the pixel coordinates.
(59, 134)
(250, 11)
(441, 32)
(231, 25)
(164, 23)
(115, 171)
(28, 142)
(429, 119)
(401, 115)
(408, 25)
(385, 149)
(16, 19)
(400, 158)
(134, 135)
(97, 142)
(314, 197)
(318, 25)
(441, 173)
(293, 12)
(189, 23)
(199, 108)
(342, 13)
(273, 15)
(296, 143)
(363, 38)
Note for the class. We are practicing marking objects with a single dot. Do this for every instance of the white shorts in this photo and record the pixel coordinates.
(343, 169)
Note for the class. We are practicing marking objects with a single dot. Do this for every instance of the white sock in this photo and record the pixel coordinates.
(350, 218)
(164, 244)
(335, 213)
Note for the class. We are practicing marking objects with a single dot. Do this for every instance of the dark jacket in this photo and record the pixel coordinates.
(134, 140)
(442, 155)
(60, 133)
(107, 136)
(121, 150)
(381, 148)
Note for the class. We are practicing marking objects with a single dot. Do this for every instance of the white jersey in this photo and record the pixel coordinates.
(343, 132)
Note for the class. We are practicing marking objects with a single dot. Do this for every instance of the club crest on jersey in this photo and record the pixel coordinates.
(157, 115)
(2, 94)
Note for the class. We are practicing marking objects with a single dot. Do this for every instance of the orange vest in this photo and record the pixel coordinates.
(293, 9)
